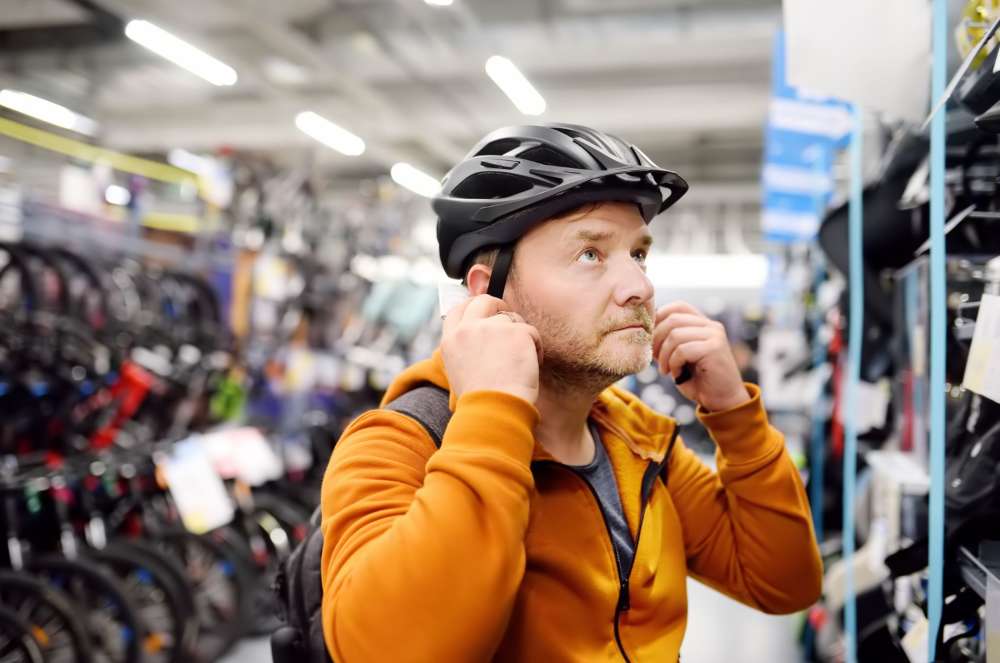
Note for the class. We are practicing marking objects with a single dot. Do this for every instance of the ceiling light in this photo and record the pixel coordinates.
(513, 83)
(439, 3)
(415, 180)
(117, 195)
(181, 53)
(335, 137)
(47, 111)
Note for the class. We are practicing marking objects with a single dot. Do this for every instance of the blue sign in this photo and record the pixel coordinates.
(802, 136)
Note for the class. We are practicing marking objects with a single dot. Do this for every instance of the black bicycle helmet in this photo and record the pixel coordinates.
(518, 176)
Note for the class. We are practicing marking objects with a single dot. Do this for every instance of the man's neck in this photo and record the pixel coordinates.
(562, 429)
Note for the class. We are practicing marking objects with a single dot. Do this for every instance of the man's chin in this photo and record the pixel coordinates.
(629, 358)
(622, 364)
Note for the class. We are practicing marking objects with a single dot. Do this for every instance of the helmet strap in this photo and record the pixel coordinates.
(501, 269)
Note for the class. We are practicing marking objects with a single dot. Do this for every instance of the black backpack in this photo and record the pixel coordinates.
(298, 585)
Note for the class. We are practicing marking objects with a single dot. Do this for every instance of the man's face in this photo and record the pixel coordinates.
(581, 281)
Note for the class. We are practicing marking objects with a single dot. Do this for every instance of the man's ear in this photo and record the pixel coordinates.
(478, 279)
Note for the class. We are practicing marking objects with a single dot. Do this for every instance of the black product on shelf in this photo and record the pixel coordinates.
(981, 89)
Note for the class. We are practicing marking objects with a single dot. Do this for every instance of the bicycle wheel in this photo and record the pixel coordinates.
(157, 599)
(53, 619)
(183, 590)
(116, 631)
(294, 518)
(265, 616)
(17, 644)
(222, 586)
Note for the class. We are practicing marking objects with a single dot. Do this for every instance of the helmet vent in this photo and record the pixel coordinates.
(500, 147)
(549, 157)
(491, 185)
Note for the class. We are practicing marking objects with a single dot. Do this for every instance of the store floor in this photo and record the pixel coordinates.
(251, 650)
(719, 629)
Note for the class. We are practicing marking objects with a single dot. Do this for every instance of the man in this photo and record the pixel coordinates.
(560, 516)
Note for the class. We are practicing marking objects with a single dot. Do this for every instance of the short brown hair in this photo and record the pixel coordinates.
(488, 256)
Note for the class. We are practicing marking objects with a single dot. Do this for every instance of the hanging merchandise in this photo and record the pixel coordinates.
(975, 20)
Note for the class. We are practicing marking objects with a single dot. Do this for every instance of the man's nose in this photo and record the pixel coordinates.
(632, 285)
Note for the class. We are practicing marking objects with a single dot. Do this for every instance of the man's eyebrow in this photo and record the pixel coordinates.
(592, 236)
(602, 236)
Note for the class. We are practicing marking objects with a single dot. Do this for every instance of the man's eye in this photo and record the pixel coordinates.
(590, 255)
(640, 256)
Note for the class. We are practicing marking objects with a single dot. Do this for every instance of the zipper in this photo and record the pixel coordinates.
(648, 479)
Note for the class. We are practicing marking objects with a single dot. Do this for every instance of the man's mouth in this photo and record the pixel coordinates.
(632, 327)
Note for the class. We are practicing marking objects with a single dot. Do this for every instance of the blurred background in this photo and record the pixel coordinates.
(217, 249)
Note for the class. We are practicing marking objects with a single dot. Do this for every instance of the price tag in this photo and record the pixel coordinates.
(873, 403)
(196, 487)
(982, 369)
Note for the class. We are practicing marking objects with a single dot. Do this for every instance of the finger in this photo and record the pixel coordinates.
(511, 315)
(536, 337)
(676, 321)
(482, 307)
(679, 337)
(454, 316)
(678, 307)
(688, 353)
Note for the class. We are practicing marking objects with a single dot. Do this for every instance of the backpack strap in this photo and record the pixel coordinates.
(428, 405)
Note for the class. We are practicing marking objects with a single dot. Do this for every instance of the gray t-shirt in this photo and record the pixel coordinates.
(601, 477)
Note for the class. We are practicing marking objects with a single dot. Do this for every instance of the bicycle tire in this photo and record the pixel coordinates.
(156, 597)
(265, 616)
(113, 624)
(17, 644)
(52, 616)
(222, 586)
(184, 592)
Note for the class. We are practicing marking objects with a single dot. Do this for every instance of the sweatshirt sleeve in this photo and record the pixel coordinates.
(747, 528)
(423, 549)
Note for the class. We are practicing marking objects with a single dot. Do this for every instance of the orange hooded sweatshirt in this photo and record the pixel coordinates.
(487, 549)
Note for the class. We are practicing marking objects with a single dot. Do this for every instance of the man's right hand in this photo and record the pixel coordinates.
(487, 348)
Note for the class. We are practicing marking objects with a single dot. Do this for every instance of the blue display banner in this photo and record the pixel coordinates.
(802, 136)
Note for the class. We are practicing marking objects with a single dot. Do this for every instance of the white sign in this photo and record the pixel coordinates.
(982, 370)
(244, 454)
(196, 487)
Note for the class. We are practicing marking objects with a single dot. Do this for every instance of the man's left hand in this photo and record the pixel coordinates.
(684, 335)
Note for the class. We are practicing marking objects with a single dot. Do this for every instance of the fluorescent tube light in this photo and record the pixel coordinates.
(181, 53)
(415, 180)
(439, 3)
(514, 84)
(335, 137)
(47, 111)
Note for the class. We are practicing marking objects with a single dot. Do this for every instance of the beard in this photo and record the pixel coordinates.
(590, 360)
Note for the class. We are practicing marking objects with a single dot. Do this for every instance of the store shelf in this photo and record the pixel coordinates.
(977, 569)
